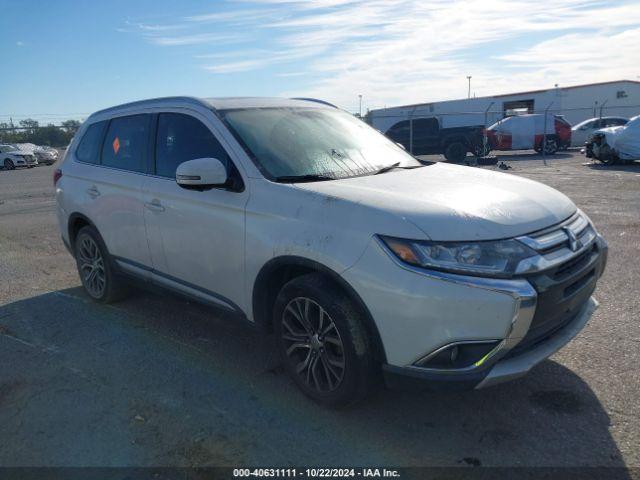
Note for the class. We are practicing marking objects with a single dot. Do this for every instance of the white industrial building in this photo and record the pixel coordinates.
(576, 103)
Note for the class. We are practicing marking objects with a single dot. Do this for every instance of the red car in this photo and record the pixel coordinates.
(524, 132)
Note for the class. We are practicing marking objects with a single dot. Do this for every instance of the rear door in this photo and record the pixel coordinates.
(196, 238)
(112, 160)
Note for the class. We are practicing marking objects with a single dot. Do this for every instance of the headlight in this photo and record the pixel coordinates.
(490, 259)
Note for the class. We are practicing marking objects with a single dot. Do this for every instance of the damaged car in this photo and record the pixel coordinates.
(530, 132)
(615, 144)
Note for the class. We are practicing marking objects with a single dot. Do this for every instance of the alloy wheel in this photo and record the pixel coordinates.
(313, 345)
(91, 265)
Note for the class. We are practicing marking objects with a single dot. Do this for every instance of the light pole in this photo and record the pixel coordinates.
(469, 79)
(360, 108)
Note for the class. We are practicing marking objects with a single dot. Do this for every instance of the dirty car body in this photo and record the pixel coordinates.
(433, 274)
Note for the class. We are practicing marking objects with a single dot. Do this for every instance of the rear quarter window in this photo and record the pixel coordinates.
(89, 147)
(125, 144)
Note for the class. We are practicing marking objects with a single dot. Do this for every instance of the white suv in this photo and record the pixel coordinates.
(366, 263)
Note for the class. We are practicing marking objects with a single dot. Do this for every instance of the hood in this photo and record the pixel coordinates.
(455, 203)
(611, 134)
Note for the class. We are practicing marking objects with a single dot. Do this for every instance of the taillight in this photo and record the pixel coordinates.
(57, 175)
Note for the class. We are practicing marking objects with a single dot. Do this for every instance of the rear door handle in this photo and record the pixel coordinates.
(154, 205)
(93, 192)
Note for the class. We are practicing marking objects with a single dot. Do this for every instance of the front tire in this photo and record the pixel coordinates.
(607, 156)
(95, 268)
(323, 341)
(8, 164)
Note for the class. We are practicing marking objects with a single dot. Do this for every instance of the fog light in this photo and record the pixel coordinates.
(458, 355)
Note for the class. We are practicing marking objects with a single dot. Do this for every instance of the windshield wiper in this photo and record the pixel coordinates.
(395, 165)
(311, 177)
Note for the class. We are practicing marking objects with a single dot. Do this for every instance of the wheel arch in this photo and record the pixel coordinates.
(280, 270)
(76, 221)
(455, 138)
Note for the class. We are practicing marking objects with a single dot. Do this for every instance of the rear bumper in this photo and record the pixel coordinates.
(508, 368)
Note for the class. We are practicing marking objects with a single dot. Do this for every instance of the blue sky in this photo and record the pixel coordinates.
(69, 58)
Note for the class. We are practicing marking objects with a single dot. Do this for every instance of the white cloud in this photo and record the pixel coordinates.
(401, 51)
(194, 39)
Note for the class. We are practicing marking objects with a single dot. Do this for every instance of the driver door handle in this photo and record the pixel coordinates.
(93, 192)
(154, 205)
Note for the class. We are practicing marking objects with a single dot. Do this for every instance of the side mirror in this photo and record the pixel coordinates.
(201, 173)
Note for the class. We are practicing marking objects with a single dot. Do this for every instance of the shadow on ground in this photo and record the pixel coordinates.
(160, 381)
(626, 167)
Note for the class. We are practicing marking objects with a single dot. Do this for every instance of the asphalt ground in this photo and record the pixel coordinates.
(158, 381)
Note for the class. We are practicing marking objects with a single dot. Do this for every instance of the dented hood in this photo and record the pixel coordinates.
(455, 203)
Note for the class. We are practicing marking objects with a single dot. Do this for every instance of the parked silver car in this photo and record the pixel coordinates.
(46, 155)
(12, 157)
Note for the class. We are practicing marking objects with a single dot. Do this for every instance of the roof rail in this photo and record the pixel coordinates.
(314, 100)
(149, 101)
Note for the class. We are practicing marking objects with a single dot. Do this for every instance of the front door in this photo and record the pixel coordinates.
(196, 238)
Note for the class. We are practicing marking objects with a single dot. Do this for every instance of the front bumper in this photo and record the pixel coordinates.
(508, 368)
(422, 315)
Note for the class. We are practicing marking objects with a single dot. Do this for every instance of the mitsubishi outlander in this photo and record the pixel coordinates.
(365, 263)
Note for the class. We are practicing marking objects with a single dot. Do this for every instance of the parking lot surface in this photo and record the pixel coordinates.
(156, 380)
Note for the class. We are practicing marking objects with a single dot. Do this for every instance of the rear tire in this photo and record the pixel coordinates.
(455, 152)
(323, 341)
(481, 150)
(551, 146)
(96, 268)
(8, 164)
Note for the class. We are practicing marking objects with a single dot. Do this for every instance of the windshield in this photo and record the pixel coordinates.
(313, 142)
(8, 148)
(499, 123)
(634, 121)
(581, 124)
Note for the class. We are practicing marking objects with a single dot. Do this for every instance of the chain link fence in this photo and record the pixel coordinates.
(428, 129)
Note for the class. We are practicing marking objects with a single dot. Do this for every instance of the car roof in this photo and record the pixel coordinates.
(218, 103)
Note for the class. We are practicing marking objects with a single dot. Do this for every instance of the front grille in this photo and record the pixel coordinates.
(573, 265)
(562, 292)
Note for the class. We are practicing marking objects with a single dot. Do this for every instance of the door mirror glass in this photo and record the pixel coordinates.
(201, 173)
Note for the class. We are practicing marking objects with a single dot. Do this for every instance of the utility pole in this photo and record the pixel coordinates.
(469, 92)
(360, 107)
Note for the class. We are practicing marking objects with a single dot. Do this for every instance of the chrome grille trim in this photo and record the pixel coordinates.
(556, 235)
(553, 244)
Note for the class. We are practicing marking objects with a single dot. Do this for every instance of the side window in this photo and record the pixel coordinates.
(616, 122)
(399, 132)
(425, 126)
(89, 147)
(125, 145)
(182, 137)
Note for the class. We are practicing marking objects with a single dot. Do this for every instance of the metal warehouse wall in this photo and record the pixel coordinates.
(575, 103)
